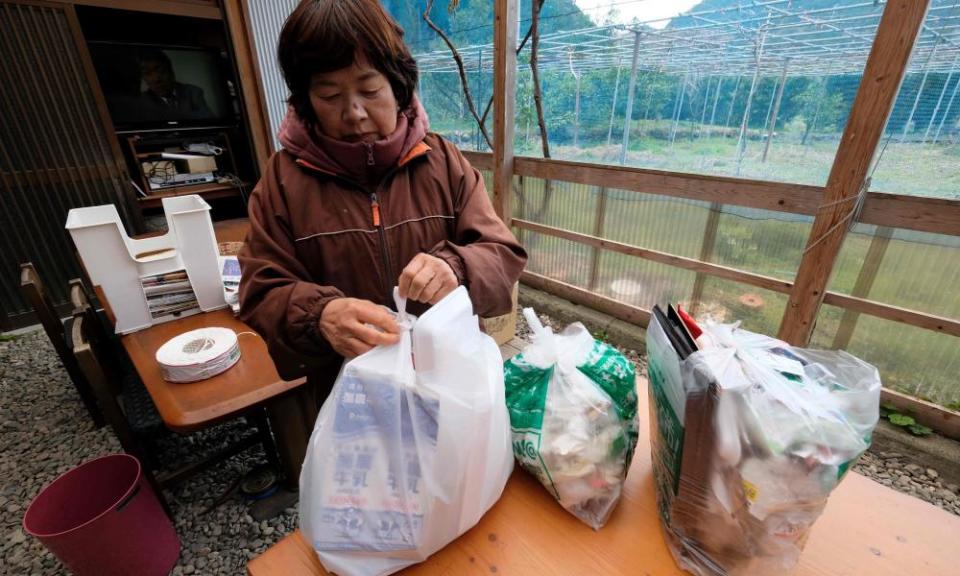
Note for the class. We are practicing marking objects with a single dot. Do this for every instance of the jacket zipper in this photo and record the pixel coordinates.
(377, 221)
(384, 249)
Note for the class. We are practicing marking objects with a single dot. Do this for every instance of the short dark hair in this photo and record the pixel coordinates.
(325, 35)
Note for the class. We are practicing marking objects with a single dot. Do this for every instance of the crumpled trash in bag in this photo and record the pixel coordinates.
(573, 413)
(749, 436)
(405, 459)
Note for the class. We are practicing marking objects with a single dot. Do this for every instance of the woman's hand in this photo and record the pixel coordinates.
(427, 279)
(344, 324)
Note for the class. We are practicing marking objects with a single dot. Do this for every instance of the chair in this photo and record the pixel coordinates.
(127, 405)
(58, 331)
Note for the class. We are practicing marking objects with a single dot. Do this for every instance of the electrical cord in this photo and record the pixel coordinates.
(236, 181)
(161, 172)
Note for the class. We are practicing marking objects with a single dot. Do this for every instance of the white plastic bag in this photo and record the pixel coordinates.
(403, 460)
(573, 411)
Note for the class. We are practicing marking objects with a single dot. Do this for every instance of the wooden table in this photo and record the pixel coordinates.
(252, 381)
(866, 529)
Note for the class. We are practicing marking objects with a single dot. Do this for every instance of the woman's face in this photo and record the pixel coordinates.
(354, 104)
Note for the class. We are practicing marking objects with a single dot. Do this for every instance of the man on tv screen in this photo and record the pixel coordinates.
(165, 98)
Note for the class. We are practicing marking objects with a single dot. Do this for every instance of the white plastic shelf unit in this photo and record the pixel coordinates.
(117, 262)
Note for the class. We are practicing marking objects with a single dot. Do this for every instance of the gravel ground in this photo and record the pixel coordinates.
(891, 469)
(45, 431)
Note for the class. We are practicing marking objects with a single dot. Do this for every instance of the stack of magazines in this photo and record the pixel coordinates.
(169, 294)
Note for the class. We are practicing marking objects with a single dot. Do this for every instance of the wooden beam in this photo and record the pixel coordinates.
(777, 196)
(245, 56)
(195, 8)
(683, 262)
(880, 310)
(614, 308)
(944, 421)
(479, 160)
(895, 313)
(881, 81)
(504, 95)
(936, 215)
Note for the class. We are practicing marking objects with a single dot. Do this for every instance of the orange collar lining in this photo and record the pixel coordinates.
(418, 150)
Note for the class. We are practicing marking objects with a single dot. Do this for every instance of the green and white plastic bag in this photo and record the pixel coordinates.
(573, 415)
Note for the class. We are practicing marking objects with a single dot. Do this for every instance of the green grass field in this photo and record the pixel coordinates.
(908, 168)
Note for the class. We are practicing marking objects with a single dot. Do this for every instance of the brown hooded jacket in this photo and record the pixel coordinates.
(331, 219)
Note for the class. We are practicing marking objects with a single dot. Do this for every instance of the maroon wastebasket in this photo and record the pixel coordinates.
(103, 519)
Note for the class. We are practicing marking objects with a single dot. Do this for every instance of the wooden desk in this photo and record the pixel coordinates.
(187, 407)
(867, 528)
(252, 381)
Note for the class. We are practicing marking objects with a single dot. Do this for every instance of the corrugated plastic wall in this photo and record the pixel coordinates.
(266, 19)
(54, 151)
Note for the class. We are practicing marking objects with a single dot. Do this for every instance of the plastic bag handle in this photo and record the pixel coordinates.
(401, 304)
(533, 321)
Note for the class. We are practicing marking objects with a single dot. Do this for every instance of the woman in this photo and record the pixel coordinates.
(362, 198)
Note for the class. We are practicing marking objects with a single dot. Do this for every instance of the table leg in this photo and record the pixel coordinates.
(291, 419)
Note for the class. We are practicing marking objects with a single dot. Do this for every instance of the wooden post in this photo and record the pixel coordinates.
(504, 97)
(631, 91)
(881, 81)
(598, 232)
(776, 109)
(706, 252)
(861, 289)
(250, 84)
(478, 133)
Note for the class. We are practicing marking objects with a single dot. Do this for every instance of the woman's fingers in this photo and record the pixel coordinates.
(370, 313)
(421, 281)
(352, 347)
(372, 336)
(427, 279)
(353, 327)
(408, 274)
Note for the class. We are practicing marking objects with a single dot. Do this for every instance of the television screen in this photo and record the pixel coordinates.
(161, 87)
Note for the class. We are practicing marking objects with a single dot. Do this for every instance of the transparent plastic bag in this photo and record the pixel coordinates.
(749, 436)
(403, 460)
(573, 413)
